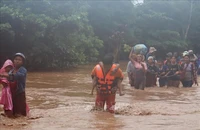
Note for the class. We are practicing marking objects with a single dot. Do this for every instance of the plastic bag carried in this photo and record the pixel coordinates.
(140, 49)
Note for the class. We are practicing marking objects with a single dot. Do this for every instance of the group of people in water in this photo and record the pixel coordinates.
(170, 72)
(13, 80)
(143, 71)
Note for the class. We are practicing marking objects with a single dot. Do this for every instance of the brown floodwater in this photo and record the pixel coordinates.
(62, 100)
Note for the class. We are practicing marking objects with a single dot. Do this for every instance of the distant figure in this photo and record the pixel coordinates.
(178, 58)
(152, 71)
(188, 72)
(151, 52)
(173, 73)
(162, 71)
(193, 58)
(140, 72)
(168, 58)
(107, 84)
(131, 71)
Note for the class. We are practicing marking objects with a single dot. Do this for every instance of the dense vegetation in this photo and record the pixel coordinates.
(60, 34)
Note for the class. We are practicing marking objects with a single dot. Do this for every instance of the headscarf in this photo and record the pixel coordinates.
(150, 57)
(6, 63)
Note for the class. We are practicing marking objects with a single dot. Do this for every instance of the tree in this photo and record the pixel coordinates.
(51, 34)
(60, 34)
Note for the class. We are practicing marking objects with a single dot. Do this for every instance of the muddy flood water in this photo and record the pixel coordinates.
(62, 101)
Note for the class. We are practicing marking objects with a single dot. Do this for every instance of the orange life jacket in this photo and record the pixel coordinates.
(106, 82)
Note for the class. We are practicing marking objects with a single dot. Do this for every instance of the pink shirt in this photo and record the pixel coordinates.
(138, 65)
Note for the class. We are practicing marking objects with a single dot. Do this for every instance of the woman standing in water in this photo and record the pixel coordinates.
(6, 97)
(17, 78)
(140, 72)
(174, 73)
(131, 71)
(188, 72)
(152, 71)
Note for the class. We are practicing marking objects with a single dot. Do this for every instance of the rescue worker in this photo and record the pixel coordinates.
(94, 80)
(107, 83)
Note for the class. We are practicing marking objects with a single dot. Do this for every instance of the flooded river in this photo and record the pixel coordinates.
(62, 101)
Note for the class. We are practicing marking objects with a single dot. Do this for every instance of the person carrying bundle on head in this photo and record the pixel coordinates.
(140, 67)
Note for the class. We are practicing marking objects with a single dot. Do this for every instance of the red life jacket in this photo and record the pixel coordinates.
(106, 82)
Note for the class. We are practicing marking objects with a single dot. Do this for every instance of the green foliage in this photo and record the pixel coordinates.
(51, 34)
(127, 48)
(60, 34)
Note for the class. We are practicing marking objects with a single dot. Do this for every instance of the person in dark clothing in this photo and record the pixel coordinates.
(151, 53)
(168, 58)
(17, 80)
(188, 72)
(173, 73)
(162, 71)
(151, 73)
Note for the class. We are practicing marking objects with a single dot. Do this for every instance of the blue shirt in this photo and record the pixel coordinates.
(164, 69)
(20, 77)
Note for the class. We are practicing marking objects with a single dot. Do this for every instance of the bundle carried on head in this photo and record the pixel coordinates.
(140, 49)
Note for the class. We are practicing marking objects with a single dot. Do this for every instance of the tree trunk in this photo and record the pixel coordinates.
(189, 21)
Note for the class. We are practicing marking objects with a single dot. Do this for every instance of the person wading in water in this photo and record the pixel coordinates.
(6, 97)
(17, 81)
(188, 73)
(107, 84)
(140, 72)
